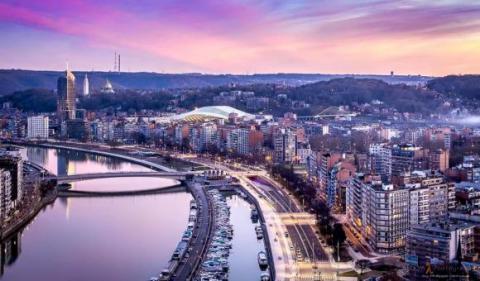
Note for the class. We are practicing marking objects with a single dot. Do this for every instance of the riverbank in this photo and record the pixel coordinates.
(22, 220)
(161, 163)
(199, 245)
(251, 198)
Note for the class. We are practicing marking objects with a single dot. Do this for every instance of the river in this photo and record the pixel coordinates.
(245, 245)
(107, 238)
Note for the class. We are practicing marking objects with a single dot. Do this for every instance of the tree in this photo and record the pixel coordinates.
(113, 143)
(338, 234)
(363, 264)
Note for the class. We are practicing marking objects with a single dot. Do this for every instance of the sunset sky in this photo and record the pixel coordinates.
(243, 36)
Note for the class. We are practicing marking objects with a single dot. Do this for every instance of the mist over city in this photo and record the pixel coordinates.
(240, 140)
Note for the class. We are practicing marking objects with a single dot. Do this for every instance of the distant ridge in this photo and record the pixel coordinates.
(18, 80)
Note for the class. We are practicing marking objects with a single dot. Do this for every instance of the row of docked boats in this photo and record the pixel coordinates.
(181, 251)
(262, 256)
(215, 265)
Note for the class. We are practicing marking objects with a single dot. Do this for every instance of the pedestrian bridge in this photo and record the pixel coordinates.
(91, 176)
(89, 193)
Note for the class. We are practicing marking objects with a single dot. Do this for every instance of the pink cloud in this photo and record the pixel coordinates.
(241, 35)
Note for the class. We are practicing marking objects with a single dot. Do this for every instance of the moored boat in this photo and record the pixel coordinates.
(262, 260)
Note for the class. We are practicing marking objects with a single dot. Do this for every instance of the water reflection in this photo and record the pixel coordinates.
(67, 162)
(10, 250)
(245, 245)
(108, 238)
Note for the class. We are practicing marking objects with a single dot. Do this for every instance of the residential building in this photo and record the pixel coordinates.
(285, 146)
(439, 160)
(14, 165)
(37, 127)
(383, 212)
(381, 160)
(408, 158)
(440, 244)
(468, 196)
(431, 197)
(208, 136)
(5, 193)
(238, 141)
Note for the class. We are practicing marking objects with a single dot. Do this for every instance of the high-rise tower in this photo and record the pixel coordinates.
(86, 86)
(66, 108)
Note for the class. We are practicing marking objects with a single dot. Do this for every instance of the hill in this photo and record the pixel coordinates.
(318, 95)
(464, 86)
(20, 80)
(349, 91)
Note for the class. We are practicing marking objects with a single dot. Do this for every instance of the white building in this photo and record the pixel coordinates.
(325, 130)
(208, 136)
(381, 156)
(86, 86)
(379, 212)
(107, 88)
(5, 192)
(37, 127)
(237, 141)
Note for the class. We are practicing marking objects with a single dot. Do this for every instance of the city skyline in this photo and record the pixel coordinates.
(408, 37)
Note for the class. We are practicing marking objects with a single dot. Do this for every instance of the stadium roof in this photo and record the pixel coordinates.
(211, 113)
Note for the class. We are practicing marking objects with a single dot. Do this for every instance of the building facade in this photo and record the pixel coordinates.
(5, 193)
(383, 213)
(66, 107)
(37, 127)
(14, 165)
(285, 146)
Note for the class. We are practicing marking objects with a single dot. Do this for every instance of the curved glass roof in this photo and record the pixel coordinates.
(211, 112)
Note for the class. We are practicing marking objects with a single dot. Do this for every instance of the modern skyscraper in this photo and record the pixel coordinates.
(66, 107)
(86, 86)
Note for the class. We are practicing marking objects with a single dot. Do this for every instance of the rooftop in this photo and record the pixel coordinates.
(211, 113)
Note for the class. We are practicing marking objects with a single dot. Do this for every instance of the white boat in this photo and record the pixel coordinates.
(262, 259)
(264, 276)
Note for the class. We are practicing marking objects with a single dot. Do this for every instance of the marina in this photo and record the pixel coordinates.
(207, 229)
(215, 264)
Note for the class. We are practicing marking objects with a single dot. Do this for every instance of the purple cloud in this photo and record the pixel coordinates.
(229, 34)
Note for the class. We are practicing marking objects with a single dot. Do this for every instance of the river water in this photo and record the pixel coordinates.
(245, 245)
(108, 238)
(113, 238)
